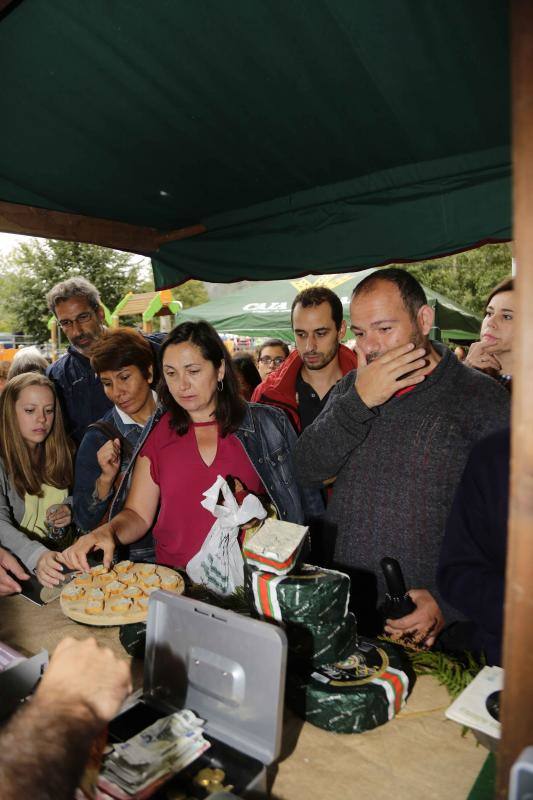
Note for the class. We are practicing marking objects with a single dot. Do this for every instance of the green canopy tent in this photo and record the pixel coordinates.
(265, 308)
(257, 138)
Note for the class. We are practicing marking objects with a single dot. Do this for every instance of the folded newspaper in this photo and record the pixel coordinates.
(473, 706)
(136, 768)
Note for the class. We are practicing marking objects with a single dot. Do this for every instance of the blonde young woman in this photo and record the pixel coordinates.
(35, 474)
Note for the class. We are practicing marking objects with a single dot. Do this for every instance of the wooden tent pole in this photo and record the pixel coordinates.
(517, 711)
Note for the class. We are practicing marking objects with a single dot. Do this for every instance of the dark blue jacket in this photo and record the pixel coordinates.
(80, 391)
(87, 507)
(471, 572)
(267, 438)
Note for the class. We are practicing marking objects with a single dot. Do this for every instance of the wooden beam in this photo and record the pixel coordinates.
(517, 710)
(15, 218)
(181, 233)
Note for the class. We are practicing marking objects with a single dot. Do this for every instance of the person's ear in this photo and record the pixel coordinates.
(221, 371)
(100, 314)
(342, 331)
(425, 319)
(150, 377)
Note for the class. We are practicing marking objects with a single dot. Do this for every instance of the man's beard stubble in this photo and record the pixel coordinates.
(327, 358)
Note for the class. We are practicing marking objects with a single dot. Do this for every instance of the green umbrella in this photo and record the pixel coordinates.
(264, 309)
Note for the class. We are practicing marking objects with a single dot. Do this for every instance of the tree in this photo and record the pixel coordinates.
(32, 269)
(191, 293)
(467, 277)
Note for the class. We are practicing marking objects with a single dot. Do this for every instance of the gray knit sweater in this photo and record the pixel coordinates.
(398, 465)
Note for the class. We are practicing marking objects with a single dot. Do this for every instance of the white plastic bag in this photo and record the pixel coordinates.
(218, 565)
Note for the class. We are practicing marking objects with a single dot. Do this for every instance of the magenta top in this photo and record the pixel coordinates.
(176, 466)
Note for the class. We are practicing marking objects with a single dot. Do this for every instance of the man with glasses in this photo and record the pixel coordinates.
(76, 305)
(271, 355)
(300, 386)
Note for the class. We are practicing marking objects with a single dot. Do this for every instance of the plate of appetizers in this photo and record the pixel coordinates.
(118, 595)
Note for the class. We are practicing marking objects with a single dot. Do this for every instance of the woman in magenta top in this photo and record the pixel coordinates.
(207, 430)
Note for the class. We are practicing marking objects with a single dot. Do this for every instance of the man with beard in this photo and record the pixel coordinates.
(302, 384)
(76, 305)
(395, 435)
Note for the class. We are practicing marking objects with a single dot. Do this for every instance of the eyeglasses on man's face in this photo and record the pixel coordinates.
(81, 319)
(267, 361)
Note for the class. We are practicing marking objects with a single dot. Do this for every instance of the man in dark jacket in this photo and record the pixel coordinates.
(301, 386)
(77, 307)
(396, 435)
(471, 575)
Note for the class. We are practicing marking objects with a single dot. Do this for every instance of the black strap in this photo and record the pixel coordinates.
(111, 431)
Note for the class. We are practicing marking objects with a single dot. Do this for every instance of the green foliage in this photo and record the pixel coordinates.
(466, 278)
(453, 672)
(32, 269)
(191, 293)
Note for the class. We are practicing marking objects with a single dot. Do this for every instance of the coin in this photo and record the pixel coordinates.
(218, 775)
(214, 787)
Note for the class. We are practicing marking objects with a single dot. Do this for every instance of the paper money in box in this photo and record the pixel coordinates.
(222, 665)
(219, 564)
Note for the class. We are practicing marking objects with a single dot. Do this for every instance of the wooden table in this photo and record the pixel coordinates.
(418, 756)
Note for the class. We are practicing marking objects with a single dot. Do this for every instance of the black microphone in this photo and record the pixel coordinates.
(397, 602)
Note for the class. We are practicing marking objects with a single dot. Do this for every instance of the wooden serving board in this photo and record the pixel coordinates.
(75, 609)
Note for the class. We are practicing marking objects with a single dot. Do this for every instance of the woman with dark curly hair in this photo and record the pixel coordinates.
(207, 430)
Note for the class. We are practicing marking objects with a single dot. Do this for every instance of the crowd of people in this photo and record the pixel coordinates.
(393, 447)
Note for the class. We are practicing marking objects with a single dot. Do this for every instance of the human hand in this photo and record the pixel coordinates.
(87, 679)
(48, 570)
(102, 538)
(108, 457)
(59, 516)
(423, 625)
(481, 356)
(378, 381)
(8, 584)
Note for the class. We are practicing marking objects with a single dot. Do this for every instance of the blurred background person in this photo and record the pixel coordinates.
(124, 361)
(247, 374)
(35, 475)
(493, 354)
(460, 352)
(28, 359)
(271, 355)
(4, 369)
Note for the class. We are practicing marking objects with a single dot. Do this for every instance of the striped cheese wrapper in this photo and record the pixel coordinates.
(312, 595)
(320, 644)
(366, 688)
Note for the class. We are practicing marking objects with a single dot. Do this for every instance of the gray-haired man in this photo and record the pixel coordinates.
(76, 304)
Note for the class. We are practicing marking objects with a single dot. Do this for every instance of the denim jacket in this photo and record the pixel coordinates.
(87, 507)
(267, 438)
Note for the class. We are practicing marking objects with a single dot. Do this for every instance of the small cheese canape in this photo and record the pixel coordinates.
(118, 605)
(83, 579)
(115, 587)
(72, 592)
(123, 566)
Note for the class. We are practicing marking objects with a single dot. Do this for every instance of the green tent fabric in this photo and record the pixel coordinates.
(265, 309)
(306, 135)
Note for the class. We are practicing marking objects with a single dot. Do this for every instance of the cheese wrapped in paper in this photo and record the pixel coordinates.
(364, 689)
(311, 595)
(275, 546)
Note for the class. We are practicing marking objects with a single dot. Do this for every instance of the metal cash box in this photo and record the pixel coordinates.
(230, 670)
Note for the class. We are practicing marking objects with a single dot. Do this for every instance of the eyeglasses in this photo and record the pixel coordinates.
(81, 319)
(267, 361)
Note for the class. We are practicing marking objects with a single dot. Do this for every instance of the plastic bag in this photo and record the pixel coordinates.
(218, 565)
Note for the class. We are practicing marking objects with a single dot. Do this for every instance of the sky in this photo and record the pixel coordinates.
(10, 240)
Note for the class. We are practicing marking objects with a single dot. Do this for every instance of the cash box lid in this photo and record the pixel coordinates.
(228, 668)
